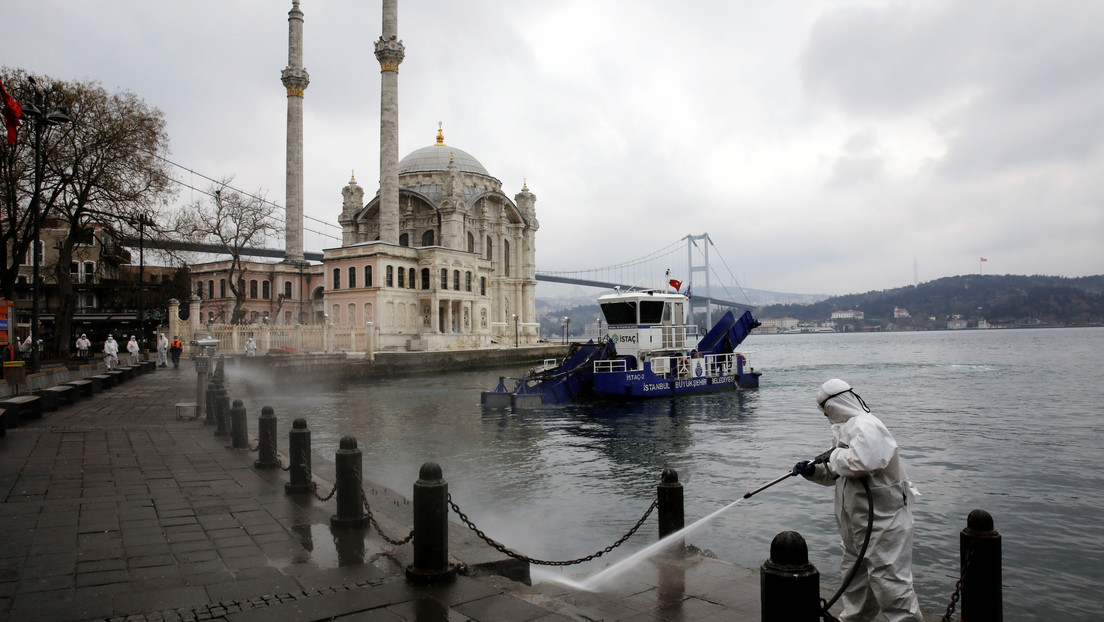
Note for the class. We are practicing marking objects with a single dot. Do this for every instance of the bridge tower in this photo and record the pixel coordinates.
(691, 242)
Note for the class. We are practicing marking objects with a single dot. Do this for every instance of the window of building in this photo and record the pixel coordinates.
(336, 279)
(482, 286)
(506, 258)
(222, 288)
(335, 315)
(444, 278)
(425, 278)
(287, 317)
(411, 274)
(241, 287)
(351, 318)
(28, 259)
(199, 289)
(456, 280)
(89, 272)
(402, 278)
(490, 254)
(211, 288)
(352, 278)
(389, 279)
(471, 242)
(252, 288)
(427, 238)
(266, 289)
(404, 239)
(367, 276)
(467, 281)
(210, 317)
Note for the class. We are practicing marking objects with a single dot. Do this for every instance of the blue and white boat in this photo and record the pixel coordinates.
(648, 351)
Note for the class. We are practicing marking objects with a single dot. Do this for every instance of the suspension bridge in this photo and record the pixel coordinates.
(643, 272)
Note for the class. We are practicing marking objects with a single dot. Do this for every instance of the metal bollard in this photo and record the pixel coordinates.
(350, 495)
(299, 440)
(670, 508)
(980, 555)
(266, 440)
(431, 510)
(222, 411)
(239, 426)
(789, 586)
(212, 394)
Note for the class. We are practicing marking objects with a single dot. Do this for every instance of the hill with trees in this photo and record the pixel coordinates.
(1002, 300)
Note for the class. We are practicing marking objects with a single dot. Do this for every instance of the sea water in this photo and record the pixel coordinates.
(1009, 421)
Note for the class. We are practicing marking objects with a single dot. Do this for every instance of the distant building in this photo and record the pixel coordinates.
(848, 315)
(898, 312)
(956, 323)
(780, 324)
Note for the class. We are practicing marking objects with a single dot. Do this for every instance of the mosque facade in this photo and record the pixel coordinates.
(440, 258)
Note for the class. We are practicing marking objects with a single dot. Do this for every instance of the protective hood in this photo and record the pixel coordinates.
(836, 399)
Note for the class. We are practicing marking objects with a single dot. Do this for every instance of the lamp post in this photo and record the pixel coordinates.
(567, 327)
(516, 329)
(143, 220)
(42, 115)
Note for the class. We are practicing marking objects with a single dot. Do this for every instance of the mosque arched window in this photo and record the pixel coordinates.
(471, 242)
(467, 281)
(444, 278)
(506, 258)
(404, 239)
(456, 280)
(425, 278)
(390, 278)
(252, 288)
(367, 276)
(287, 289)
(211, 288)
(352, 277)
(266, 289)
(482, 286)
(222, 288)
(427, 238)
(490, 249)
(336, 279)
(402, 278)
(411, 274)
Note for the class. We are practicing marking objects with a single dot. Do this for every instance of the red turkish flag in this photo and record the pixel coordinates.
(12, 112)
(676, 284)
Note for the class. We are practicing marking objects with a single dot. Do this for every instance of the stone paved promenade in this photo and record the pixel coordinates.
(113, 509)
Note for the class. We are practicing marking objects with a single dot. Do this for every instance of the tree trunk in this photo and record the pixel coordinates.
(67, 299)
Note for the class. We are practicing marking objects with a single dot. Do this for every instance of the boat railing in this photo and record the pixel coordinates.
(719, 364)
(609, 366)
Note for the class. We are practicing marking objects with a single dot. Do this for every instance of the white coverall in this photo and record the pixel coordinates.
(111, 352)
(132, 347)
(865, 448)
(162, 351)
(250, 347)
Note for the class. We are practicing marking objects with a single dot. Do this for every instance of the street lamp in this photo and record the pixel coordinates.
(42, 114)
(516, 330)
(143, 220)
(567, 327)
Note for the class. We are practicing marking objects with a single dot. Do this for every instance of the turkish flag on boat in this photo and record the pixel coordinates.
(12, 112)
(984, 259)
(675, 284)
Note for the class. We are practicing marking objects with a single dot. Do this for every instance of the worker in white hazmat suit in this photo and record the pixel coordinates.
(111, 352)
(132, 347)
(864, 448)
(162, 350)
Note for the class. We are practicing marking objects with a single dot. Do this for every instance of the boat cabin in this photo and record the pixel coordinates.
(647, 321)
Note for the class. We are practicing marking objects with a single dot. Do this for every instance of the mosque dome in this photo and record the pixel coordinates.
(436, 157)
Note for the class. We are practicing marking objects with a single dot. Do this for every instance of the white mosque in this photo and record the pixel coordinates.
(440, 259)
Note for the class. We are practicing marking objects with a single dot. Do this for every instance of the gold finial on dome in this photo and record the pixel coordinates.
(352, 177)
(440, 134)
(450, 157)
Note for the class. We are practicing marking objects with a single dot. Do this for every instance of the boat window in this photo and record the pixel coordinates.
(651, 311)
(620, 312)
(667, 313)
(678, 314)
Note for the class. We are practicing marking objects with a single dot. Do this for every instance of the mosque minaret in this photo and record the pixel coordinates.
(295, 79)
(389, 52)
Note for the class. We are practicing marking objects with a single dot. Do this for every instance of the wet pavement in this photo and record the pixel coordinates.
(115, 509)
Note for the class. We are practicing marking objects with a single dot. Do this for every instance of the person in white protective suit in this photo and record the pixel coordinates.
(162, 350)
(864, 448)
(132, 347)
(82, 346)
(250, 347)
(111, 352)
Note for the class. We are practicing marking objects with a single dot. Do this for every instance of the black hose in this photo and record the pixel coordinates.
(862, 552)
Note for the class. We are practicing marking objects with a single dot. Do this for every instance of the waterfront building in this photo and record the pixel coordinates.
(849, 314)
(440, 258)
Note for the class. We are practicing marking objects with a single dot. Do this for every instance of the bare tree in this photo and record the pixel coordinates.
(105, 167)
(234, 221)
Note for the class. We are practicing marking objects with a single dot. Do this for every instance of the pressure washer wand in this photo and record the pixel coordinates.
(818, 460)
(766, 486)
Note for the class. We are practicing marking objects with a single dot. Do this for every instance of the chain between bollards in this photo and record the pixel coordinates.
(958, 588)
(379, 530)
(501, 548)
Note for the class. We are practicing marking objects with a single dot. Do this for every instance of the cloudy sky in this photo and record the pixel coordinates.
(826, 147)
